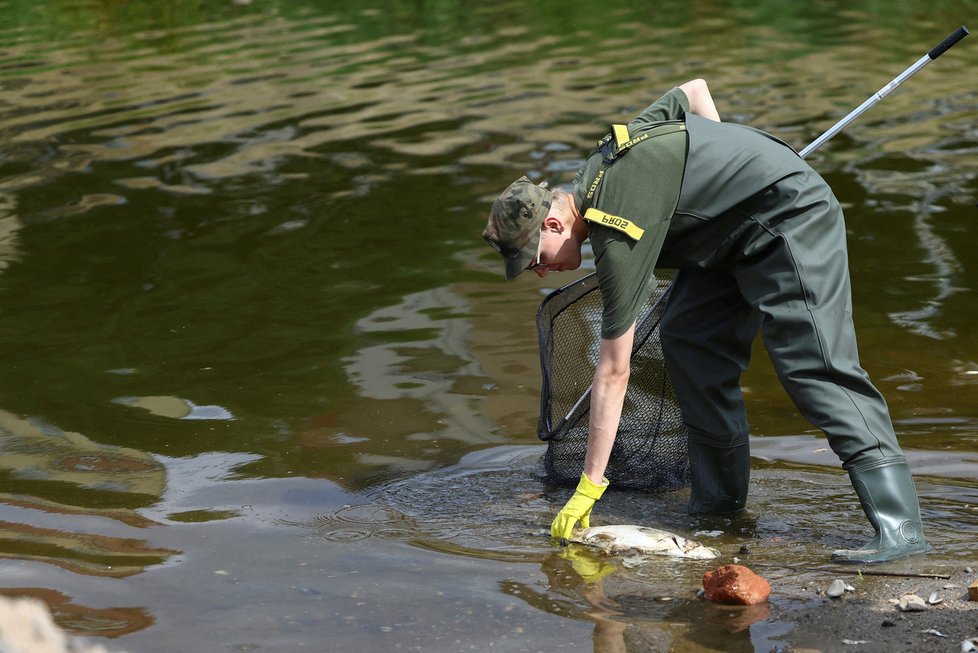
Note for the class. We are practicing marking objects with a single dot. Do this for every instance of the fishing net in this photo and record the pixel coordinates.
(650, 448)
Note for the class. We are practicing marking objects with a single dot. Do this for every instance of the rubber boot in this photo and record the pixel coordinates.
(889, 499)
(719, 477)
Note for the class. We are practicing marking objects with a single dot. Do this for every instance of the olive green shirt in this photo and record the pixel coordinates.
(642, 187)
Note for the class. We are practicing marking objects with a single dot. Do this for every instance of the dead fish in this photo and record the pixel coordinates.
(627, 540)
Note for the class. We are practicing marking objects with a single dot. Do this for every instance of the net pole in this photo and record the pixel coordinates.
(935, 52)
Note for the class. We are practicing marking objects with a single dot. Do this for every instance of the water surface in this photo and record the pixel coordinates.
(264, 387)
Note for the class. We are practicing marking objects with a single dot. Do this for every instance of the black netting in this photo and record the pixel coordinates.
(650, 449)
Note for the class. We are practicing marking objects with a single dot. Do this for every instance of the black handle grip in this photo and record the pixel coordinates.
(946, 44)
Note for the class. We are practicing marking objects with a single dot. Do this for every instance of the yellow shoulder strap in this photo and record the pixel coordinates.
(621, 134)
(627, 227)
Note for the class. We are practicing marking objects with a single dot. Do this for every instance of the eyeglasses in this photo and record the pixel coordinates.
(538, 265)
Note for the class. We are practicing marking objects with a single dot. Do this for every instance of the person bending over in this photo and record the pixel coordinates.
(759, 243)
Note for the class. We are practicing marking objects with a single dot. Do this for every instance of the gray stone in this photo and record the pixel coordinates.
(836, 589)
(911, 603)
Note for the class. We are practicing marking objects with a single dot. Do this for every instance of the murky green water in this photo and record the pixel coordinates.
(263, 387)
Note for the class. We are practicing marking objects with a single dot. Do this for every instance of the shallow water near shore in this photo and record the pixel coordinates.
(265, 388)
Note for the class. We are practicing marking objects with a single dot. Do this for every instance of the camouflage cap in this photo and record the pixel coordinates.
(514, 223)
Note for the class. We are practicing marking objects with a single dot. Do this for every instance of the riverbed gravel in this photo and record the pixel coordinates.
(870, 617)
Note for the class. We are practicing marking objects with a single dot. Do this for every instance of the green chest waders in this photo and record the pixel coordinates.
(781, 269)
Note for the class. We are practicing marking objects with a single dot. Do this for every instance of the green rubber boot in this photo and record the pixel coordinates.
(719, 478)
(889, 499)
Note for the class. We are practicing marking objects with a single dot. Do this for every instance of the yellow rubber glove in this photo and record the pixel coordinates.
(578, 509)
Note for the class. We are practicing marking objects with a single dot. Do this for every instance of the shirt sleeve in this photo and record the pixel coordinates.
(643, 188)
(625, 270)
(671, 106)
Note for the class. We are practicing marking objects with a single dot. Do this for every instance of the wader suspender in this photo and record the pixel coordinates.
(612, 147)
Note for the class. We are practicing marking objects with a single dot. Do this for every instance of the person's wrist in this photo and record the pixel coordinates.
(591, 489)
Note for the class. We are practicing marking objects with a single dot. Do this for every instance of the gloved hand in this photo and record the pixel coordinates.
(578, 508)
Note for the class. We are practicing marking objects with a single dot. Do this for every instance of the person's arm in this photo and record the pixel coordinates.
(607, 399)
(700, 100)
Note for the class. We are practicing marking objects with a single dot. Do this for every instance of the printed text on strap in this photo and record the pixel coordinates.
(623, 225)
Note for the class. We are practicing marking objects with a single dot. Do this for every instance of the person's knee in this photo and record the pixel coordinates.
(727, 439)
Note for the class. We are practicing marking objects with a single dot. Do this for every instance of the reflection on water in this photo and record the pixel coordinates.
(423, 356)
(86, 620)
(945, 268)
(9, 226)
(41, 460)
(63, 494)
(175, 407)
(87, 553)
(239, 244)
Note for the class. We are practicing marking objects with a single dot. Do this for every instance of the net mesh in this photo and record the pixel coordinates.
(650, 449)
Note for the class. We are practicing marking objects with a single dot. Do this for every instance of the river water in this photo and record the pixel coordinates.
(264, 388)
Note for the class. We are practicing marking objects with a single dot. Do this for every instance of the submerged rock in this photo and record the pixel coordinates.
(735, 585)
